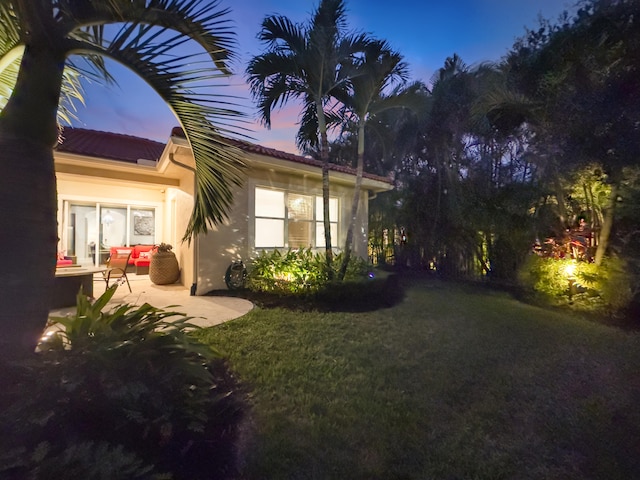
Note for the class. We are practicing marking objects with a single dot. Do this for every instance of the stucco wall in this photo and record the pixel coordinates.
(84, 187)
(223, 244)
(177, 213)
(234, 239)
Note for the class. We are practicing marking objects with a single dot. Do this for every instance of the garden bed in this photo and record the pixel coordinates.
(382, 291)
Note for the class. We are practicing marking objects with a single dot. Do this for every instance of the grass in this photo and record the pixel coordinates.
(452, 383)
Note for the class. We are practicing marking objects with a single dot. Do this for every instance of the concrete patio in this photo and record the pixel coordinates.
(207, 311)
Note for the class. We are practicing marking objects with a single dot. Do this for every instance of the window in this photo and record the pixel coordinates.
(333, 218)
(300, 216)
(291, 220)
(269, 218)
(90, 229)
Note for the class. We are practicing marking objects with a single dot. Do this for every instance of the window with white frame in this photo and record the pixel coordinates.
(89, 229)
(333, 218)
(291, 220)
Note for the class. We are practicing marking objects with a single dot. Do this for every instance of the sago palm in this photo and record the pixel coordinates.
(148, 37)
(303, 63)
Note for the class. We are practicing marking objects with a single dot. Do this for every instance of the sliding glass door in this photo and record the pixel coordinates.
(91, 229)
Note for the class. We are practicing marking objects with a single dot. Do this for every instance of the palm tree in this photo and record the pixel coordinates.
(302, 62)
(146, 36)
(371, 74)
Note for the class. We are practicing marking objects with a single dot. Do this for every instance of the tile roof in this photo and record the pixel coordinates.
(113, 146)
(127, 148)
(273, 153)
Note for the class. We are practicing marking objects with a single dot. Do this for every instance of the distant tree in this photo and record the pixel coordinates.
(584, 75)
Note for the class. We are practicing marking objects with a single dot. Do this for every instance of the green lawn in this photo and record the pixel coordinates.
(453, 383)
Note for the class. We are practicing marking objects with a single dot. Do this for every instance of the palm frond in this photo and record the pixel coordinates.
(274, 78)
(152, 43)
(328, 22)
(307, 136)
(278, 32)
(206, 117)
(11, 51)
(202, 21)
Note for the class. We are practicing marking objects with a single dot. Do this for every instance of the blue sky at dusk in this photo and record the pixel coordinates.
(425, 32)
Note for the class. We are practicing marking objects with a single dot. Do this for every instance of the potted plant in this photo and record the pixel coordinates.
(163, 268)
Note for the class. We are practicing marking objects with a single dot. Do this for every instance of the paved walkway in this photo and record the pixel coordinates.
(207, 311)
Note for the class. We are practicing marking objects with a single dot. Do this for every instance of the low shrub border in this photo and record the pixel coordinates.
(383, 290)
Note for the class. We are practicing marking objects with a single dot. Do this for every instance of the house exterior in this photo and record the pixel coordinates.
(119, 190)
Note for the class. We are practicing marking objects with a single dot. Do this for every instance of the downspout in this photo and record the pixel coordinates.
(194, 279)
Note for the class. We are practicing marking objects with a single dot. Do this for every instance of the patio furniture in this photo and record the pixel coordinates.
(65, 260)
(139, 259)
(116, 267)
(68, 282)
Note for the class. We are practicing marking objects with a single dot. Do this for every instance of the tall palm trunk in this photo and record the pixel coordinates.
(324, 155)
(354, 204)
(28, 232)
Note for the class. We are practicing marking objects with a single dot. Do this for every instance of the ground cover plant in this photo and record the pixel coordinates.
(453, 382)
(120, 393)
(298, 279)
(299, 272)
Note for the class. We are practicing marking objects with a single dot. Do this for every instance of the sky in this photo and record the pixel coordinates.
(425, 32)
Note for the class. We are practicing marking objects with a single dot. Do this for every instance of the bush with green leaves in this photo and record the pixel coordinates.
(605, 288)
(131, 385)
(299, 272)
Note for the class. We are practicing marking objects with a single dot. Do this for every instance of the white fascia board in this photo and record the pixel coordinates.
(172, 145)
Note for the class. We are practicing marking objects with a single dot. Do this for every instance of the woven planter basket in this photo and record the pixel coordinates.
(163, 269)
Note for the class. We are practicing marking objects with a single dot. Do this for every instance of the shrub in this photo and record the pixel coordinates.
(357, 270)
(547, 277)
(376, 292)
(78, 460)
(299, 272)
(612, 281)
(606, 288)
(295, 272)
(130, 383)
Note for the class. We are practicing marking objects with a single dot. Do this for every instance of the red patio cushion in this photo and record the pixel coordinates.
(138, 249)
(115, 250)
(144, 259)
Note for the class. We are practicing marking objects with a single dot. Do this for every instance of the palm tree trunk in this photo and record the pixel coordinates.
(324, 155)
(28, 231)
(354, 204)
(28, 242)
